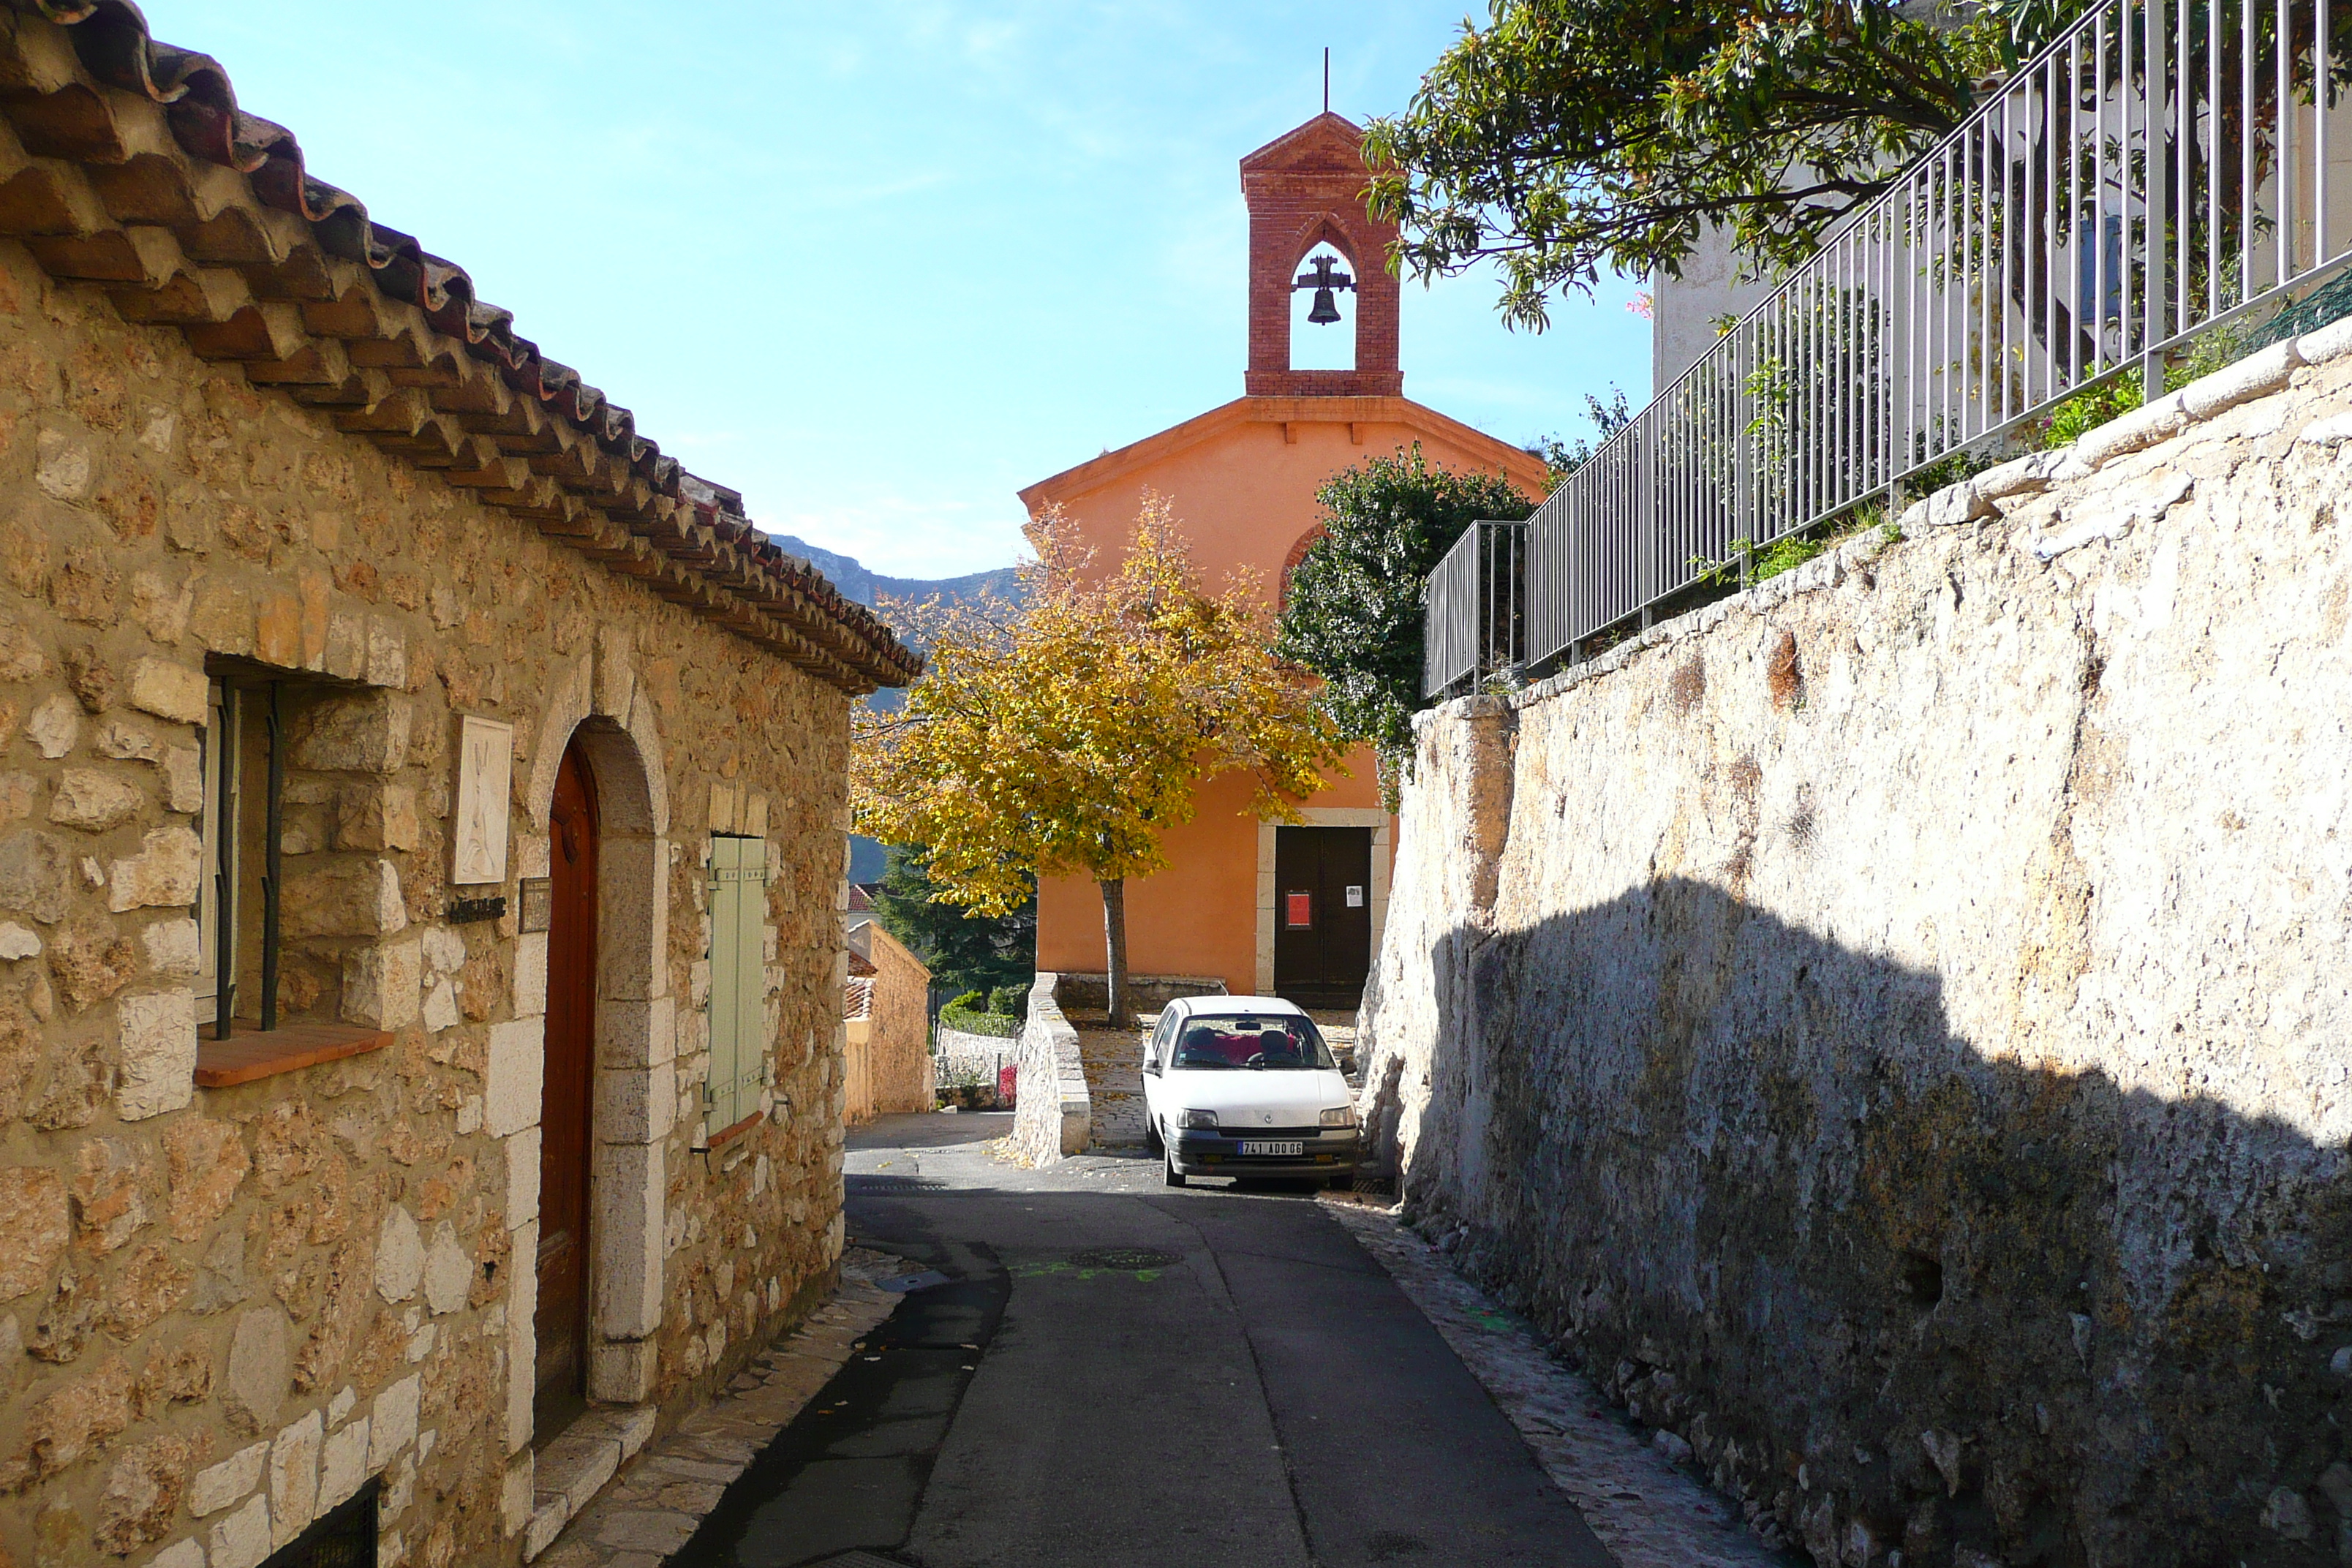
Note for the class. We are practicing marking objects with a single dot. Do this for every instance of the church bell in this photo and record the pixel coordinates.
(1324, 278)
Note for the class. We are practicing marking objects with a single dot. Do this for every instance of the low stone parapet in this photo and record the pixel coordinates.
(1054, 1113)
(1091, 993)
(963, 1043)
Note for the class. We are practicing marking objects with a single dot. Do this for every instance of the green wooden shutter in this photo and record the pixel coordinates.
(750, 976)
(739, 907)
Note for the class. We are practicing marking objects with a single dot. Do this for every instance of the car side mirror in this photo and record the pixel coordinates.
(1152, 1067)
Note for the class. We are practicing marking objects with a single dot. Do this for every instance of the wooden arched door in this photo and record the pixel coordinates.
(567, 1097)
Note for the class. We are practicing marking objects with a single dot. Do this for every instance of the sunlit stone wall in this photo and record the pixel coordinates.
(1892, 1027)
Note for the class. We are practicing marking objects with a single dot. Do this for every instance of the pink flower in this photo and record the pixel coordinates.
(1639, 304)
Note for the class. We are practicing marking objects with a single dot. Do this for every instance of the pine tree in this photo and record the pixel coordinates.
(963, 951)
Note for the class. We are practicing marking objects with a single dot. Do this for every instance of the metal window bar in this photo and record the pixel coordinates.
(223, 745)
(227, 749)
(1476, 614)
(2095, 213)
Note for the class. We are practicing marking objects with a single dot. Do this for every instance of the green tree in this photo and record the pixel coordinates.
(1564, 457)
(1069, 737)
(1352, 610)
(1568, 137)
(963, 951)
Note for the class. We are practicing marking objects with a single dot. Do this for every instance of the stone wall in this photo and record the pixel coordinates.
(221, 1310)
(1053, 1113)
(901, 1061)
(1083, 992)
(960, 1051)
(1890, 1027)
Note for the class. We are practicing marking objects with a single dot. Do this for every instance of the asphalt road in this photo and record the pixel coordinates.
(1119, 1373)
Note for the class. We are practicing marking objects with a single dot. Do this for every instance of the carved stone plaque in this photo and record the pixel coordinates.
(485, 779)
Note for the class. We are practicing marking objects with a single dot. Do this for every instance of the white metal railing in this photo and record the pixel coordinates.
(1475, 623)
(2163, 168)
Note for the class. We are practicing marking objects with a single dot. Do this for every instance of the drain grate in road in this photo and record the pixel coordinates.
(1123, 1258)
(866, 1186)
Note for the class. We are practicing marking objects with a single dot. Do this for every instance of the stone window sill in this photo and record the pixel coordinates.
(248, 1054)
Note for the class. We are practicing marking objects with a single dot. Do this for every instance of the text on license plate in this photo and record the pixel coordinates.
(1273, 1146)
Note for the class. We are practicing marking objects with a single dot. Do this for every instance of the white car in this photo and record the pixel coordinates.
(1243, 1086)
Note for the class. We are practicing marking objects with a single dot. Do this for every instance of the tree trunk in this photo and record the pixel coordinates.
(1114, 896)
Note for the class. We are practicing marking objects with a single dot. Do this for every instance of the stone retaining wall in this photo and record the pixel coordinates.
(1890, 1027)
(961, 1053)
(963, 1043)
(1053, 1116)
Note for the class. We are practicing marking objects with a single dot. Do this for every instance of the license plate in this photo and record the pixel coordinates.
(1273, 1146)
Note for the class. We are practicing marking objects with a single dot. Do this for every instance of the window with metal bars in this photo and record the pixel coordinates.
(343, 1537)
(238, 910)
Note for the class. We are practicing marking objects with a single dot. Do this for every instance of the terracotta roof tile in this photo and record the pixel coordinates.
(81, 183)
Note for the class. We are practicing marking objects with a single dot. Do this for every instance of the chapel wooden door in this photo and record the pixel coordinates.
(1322, 914)
(563, 1149)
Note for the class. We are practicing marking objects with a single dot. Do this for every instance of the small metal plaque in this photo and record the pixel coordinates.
(467, 912)
(537, 903)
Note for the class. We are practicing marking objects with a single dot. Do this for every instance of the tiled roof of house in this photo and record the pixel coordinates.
(127, 164)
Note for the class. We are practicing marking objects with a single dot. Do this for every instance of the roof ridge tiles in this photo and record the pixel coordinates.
(111, 43)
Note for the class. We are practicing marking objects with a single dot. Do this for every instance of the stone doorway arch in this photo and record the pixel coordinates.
(598, 709)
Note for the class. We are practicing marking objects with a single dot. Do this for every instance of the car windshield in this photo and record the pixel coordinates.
(1280, 1041)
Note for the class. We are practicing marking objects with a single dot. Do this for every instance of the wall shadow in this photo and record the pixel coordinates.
(1898, 1287)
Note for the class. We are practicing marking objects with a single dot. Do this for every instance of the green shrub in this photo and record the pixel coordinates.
(1786, 555)
(969, 1014)
(2086, 411)
(1011, 1001)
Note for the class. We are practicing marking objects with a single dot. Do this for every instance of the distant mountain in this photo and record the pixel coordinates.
(869, 588)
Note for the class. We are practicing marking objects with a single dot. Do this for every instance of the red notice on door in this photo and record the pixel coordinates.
(1299, 910)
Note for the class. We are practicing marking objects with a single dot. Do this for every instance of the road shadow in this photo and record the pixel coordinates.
(1908, 1290)
(933, 1129)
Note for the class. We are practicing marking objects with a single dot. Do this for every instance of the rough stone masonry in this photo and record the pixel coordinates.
(1893, 1026)
(227, 1306)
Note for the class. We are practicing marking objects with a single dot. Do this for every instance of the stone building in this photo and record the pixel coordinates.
(887, 1005)
(368, 686)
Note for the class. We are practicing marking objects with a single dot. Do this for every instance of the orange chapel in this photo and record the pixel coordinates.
(1260, 907)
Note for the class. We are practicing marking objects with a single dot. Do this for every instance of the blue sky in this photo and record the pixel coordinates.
(878, 265)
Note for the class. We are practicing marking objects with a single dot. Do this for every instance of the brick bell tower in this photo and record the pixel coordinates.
(1305, 189)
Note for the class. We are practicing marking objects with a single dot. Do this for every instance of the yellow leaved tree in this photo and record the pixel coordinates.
(1065, 735)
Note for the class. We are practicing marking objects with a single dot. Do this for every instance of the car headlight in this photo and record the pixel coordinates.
(1197, 1118)
(1339, 1116)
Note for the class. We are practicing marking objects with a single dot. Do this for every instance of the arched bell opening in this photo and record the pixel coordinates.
(1323, 309)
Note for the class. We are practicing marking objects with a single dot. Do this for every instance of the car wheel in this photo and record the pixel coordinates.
(1151, 1141)
(1168, 1171)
